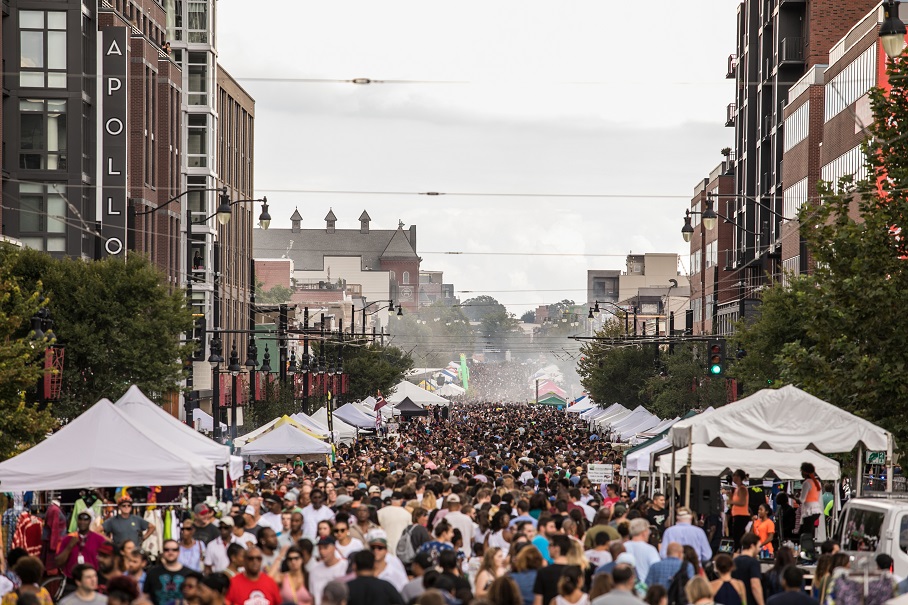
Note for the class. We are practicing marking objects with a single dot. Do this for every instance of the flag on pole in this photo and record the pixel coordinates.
(464, 372)
(379, 402)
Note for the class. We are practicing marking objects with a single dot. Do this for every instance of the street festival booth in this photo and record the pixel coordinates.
(451, 390)
(278, 422)
(354, 417)
(553, 400)
(785, 420)
(204, 421)
(581, 404)
(103, 447)
(161, 425)
(408, 409)
(629, 430)
(282, 441)
(343, 432)
(417, 395)
(314, 427)
(607, 422)
(611, 414)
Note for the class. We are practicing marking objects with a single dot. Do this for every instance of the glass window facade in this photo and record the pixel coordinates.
(42, 136)
(42, 43)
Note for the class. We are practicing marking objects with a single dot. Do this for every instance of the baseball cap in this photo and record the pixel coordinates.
(272, 498)
(107, 548)
(618, 510)
(124, 499)
(228, 521)
(453, 498)
(342, 500)
(290, 497)
(374, 489)
(85, 515)
(201, 509)
(326, 541)
(423, 560)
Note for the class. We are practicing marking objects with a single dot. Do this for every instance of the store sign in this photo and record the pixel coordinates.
(600, 473)
(114, 136)
(875, 457)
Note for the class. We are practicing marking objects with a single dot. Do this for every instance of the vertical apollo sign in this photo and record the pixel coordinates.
(114, 137)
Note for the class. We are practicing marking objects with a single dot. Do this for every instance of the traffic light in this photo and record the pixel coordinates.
(716, 357)
(198, 336)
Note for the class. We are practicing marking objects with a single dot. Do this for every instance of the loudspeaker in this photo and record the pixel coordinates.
(705, 494)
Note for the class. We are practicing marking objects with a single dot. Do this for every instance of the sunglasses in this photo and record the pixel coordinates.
(294, 558)
(187, 528)
(171, 550)
(253, 558)
(125, 505)
(340, 530)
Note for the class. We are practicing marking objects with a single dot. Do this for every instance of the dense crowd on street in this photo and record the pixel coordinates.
(489, 506)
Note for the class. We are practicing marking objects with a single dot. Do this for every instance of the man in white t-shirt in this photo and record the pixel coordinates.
(272, 518)
(460, 521)
(394, 519)
(313, 513)
(329, 568)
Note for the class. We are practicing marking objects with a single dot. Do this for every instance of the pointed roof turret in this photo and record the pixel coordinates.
(295, 220)
(365, 216)
(364, 222)
(399, 246)
(330, 221)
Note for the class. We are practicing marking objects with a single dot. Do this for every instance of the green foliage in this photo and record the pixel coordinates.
(781, 319)
(119, 322)
(845, 321)
(20, 362)
(528, 317)
(499, 330)
(477, 308)
(277, 295)
(667, 384)
(276, 399)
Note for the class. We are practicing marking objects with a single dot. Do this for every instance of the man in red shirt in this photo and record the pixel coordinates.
(80, 546)
(252, 587)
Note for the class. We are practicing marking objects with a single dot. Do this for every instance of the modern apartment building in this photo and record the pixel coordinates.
(778, 42)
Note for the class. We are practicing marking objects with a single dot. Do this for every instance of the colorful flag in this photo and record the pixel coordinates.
(464, 372)
(379, 402)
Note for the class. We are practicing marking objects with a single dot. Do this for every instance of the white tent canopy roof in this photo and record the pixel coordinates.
(581, 406)
(593, 413)
(285, 440)
(157, 423)
(353, 416)
(717, 461)
(643, 426)
(636, 417)
(103, 447)
(610, 419)
(205, 420)
(786, 420)
(450, 390)
(618, 420)
(639, 461)
(311, 424)
(342, 430)
(417, 395)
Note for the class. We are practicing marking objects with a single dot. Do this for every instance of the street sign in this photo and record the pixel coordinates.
(875, 457)
(600, 473)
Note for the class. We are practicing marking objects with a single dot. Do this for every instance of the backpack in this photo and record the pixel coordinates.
(405, 551)
(676, 594)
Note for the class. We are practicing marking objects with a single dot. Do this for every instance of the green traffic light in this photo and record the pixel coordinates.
(715, 369)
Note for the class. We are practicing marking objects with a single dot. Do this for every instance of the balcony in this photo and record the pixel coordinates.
(791, 51)
(730, 113)
(732, 67)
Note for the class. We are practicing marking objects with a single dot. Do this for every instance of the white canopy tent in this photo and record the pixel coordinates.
(367, 406)
(645, 425)
(786, 420)
(354, 417)
(312, 425)
(717, 461)
(664, 425)
(581, 406)
(103, 447)
(610, 416)
(279, 421)
(450, 390)
(204, 420)
(417, 395)
(640, 461)
(638, 416)
(595, 411)
(343, 432)
(157, 423)
(285, 440)
(617, 420)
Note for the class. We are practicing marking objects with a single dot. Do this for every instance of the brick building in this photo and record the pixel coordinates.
(779, 41)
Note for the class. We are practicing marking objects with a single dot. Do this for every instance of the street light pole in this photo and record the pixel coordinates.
(305, 365)
(235, 368)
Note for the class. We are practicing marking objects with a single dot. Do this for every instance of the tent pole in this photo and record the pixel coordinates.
(690, 455)
(860, 470)
(888, 463)
(671, 512)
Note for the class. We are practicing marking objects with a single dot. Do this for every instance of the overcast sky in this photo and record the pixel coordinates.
(621, 99)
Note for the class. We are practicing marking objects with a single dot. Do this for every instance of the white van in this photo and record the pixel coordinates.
(871, 526)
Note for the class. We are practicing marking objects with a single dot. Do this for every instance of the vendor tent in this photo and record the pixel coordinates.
(718, 461)
(596, 412)
(581, 405)
(547, 386)
(204, 421)
(451, 390)
(553, 400)
(315, 427)
(608, 420)
(645, 425)
(417, 395)
(786, 420)
(163, 427)
(353, 416)
(343, 431)
(103, 447)
(409, 409)
(278, 422)
(285, 440)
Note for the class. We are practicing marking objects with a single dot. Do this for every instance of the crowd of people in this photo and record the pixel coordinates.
(489, 506)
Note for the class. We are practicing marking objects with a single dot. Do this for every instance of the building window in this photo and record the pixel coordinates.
(406, 278)
(794, 197)
(393, 276)
(851, 84)
(797, 125)
(695, 262)
(198, 21)
(42, 134)
(198, 78)
(42, 41)
(198, 140)
(849, 163)
(42, 216)
(790, 268)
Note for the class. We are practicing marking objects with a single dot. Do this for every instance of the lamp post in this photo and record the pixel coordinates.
(266, 367)
(291, 373)
(215, 359)
(304, 366)
(234, 368)
(595, 311)
(390, 309)
(892, 30)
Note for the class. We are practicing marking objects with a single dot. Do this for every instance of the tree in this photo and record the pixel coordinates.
(476, 309)
(370, 368)
(850, 350)
(276, 295)
(528, 317)
(615, 372)
(20, 362)
(119, 321)
(682, 382)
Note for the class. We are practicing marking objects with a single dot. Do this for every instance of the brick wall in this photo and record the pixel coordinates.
(273, 273)
(827, 26)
